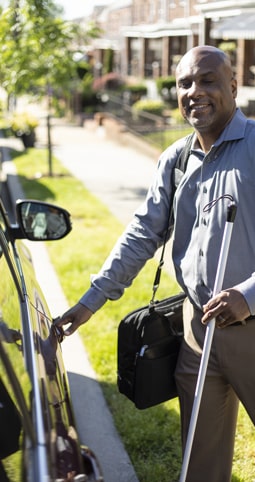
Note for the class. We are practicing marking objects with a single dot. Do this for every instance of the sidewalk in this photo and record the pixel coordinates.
(114, 166)
(116, 172)
(119, 174)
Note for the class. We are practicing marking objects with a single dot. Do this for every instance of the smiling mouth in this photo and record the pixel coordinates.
(198, 107)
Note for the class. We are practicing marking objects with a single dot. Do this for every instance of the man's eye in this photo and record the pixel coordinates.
(184, 84)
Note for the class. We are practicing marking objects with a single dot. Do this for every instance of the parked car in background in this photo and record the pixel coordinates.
(38, 434)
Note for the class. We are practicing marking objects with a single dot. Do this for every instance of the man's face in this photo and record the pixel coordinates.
(206, 90)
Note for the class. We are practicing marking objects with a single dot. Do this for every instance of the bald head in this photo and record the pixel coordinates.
(205, 53)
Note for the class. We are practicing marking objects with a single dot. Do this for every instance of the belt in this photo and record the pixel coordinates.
(238, 323)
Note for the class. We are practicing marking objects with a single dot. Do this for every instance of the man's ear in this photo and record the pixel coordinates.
(234, 87)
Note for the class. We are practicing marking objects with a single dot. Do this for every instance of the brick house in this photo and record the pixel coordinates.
(149, 36)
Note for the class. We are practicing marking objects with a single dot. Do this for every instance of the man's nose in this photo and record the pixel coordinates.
(195, 89)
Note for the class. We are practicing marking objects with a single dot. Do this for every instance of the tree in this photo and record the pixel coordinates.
(37, 48)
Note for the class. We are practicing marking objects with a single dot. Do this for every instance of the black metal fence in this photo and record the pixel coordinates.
(154, 128)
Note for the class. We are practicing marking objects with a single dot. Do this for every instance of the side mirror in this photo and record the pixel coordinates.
(40, 221)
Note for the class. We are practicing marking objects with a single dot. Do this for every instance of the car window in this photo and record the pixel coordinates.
(15, 387)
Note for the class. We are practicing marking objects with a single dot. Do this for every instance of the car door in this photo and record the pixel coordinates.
(16, 390)
(38, 437)
(55, 421)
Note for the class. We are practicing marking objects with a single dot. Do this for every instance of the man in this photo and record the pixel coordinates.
(221, 165)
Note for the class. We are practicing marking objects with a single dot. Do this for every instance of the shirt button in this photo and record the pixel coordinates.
(201, 252)
(205, 189)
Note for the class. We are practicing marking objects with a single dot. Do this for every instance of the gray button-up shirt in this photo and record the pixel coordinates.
(228, 169)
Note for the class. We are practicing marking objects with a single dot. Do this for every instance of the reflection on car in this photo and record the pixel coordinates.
(42, 221)
(38, 434)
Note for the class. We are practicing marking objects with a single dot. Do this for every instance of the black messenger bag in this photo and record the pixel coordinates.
(148, 346)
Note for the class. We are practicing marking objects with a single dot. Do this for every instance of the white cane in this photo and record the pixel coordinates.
(208, 340)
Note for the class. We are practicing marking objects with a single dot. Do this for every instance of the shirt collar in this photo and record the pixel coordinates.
(234, 130)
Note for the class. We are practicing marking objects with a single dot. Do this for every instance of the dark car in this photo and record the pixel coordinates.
(38, 436)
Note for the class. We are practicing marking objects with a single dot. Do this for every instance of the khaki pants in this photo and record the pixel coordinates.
(230, 377)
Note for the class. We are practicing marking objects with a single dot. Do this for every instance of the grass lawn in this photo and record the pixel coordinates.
(151, 437)
(163, 139)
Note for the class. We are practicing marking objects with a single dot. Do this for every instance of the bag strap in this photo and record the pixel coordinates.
(177, 173)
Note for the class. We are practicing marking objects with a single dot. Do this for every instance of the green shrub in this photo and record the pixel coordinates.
(155, 107)
(108, 61)
(165, 83)
(177, 117)
(4, 123)
(23, 123)
(228, 47)
(140, 89)
(134, 92)
(83, 68)
(1, 105)
(166, 87)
